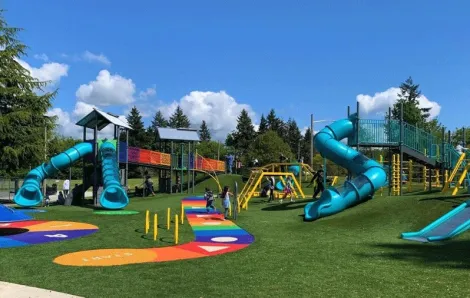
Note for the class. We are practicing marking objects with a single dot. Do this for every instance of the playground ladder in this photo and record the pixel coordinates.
(460, 162)
(248, 185)
(462, 177)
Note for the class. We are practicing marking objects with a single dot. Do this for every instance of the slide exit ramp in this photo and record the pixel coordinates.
(369, 174)
(448, 226)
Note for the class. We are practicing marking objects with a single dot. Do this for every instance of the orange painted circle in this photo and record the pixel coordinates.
(107, 257)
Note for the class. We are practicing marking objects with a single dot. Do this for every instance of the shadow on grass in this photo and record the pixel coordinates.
(453, 199)
(420, 193)
(451, 254)
(276, 206)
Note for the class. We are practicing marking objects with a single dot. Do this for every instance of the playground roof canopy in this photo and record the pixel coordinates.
(100, 120)
(177, 134)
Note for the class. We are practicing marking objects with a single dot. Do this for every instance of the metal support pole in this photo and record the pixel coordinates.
(95, 162)
(311, 140)
(401, 148)
(84, 170)
(235, 201)
(44, 182)
(390, 152)
(171, 167)
(127, 158)
(349, 141)
(357, 127)
(194, 165)
(464, 138)
(189, 164)
(181, 170)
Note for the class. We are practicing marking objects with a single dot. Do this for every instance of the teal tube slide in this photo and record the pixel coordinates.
(368, 174)
(447, 226)
(30, 194)
(113, 195)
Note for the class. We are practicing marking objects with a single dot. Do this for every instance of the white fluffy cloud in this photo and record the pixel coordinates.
(42, 57)
(149, 92)
(107, 90)
(218, 109)
(66, 121)
(379, 103)
(90, 57)
(51, 71)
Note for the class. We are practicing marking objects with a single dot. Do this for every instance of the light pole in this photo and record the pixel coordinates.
(311, 131)
(44, 182)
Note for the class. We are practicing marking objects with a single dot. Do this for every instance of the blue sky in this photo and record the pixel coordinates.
(299, 57)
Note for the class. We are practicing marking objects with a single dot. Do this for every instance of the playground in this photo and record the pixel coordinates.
(355, 239)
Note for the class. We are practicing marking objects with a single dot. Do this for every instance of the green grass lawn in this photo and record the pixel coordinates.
(356, 253)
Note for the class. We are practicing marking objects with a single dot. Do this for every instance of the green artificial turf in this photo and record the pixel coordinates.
(356, 253)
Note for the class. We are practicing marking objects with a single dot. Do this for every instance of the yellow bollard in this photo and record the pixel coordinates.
(182, 214)
(147, 221)
(176, 229)
(168, 219)
(155, 227)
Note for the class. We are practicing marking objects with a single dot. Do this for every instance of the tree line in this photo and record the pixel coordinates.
(24, 101)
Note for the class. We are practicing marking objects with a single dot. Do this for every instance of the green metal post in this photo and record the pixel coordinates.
(401, 148)
(181, 170)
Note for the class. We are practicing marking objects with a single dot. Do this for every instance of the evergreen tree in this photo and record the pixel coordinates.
(294, 136)
(276, 124)
(272, 121)
(179, 119)
(204, 133)
(159, 120)
(412, 113)
(22, 108)
(245, 133)
(305, 146)
(138, 136)
(230, 140)
(263, 125)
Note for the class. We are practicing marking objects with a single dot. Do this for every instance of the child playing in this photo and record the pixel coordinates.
(47, 200)
(288, 189)
(226, 201)
(209, 196)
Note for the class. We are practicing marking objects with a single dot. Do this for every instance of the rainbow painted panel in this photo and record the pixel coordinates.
(214, 236)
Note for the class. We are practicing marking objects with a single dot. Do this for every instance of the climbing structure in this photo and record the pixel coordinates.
(459, 174)
(254, 182)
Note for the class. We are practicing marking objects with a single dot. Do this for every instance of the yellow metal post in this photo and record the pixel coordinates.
(147, 221)
(176, 229)
(168, 219)
(155, 227)
(182, 214)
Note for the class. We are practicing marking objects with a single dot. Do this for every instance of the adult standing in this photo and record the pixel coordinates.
(318, 178)
(272, 182)
(66, 187)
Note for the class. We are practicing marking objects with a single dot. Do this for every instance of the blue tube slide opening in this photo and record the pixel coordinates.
(369, 174)
(113, 195)
(30, 194)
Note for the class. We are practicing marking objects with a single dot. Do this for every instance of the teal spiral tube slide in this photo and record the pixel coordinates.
(368, 174)
(30, 194)
(113, 195)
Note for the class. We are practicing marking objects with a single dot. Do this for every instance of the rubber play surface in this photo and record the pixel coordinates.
(213, 236)
(33, 232)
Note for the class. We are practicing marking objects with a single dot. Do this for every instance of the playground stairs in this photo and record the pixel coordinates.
(249, 185)
(459, 174)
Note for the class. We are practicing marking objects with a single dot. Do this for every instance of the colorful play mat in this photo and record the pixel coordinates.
(214, 236)
(33, 232)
